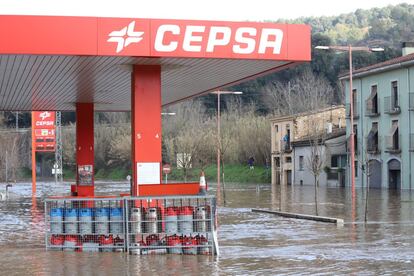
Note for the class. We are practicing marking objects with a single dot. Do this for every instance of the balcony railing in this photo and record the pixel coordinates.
(372, 108)
(373, 145)
(393, 143)
(348, 110)
(391, 106)
(286, 146)
(411, 102)
(412, 142)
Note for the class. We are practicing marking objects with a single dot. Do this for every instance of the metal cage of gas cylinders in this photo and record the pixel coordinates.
(85, 224)
(141, 225)
(171, 224)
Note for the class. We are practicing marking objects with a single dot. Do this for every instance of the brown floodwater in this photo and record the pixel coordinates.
(250, 243)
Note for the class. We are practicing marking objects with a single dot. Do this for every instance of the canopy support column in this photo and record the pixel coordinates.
(84, 149)
(146, 126)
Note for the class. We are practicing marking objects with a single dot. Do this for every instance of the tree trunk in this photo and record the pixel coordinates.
(222, 182)
(366, 196)
(316, 194)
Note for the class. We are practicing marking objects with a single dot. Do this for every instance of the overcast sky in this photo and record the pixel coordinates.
(237, 10)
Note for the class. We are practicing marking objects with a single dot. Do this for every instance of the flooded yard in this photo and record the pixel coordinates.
(250, 243)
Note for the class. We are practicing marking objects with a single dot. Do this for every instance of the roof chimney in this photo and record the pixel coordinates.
(407, 48)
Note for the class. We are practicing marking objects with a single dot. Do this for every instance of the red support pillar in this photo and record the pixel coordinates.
(84, 149)
(146, 126)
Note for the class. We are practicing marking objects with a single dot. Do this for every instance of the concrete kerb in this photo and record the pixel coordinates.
(337, 221)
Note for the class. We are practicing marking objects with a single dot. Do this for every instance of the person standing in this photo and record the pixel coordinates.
(251, 162)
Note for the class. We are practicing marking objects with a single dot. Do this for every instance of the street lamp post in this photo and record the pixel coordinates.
(350, 49)
(218, 93)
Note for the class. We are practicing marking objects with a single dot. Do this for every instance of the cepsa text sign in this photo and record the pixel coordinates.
(44, 138)
(154, 38)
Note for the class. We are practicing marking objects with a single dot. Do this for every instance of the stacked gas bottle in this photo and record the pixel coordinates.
(185, 230)
(87, 229)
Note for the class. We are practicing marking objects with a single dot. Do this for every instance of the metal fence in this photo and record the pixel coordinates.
(140, 225)
(90, 224)
(391, 105)
(176, 225)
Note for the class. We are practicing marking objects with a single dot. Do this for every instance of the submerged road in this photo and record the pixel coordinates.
(251, 243)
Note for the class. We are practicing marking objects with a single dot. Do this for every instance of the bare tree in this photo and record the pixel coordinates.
(12, 144)
(184, 134)
(365, 168)
(316, 158)
(306, 92)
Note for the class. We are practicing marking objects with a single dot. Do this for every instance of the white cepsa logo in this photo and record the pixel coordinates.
(125, 36)
(197, 38)
(44, 115)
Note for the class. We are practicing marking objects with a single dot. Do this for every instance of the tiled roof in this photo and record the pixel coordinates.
(305, 141)
(383, 64)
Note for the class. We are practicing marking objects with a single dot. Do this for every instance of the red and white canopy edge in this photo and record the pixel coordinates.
(52, 62)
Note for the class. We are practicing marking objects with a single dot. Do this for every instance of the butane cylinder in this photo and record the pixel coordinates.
(174, 245)
(56, 220)
(85, 221)
(185, 220)
(71, 219)
(135, 219)
(200, 215)
(102, 221)
(151, 220)
(170, 216)
(116, 226)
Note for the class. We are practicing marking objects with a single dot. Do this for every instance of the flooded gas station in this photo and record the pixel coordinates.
(90, 64)
(250, 243)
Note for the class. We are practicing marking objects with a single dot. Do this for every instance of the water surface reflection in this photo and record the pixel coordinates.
(251, 243)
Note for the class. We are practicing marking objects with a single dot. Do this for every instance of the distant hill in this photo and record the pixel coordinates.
(388, 26)
(385, 27)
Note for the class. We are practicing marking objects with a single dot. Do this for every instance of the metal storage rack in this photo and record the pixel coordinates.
(140, 225)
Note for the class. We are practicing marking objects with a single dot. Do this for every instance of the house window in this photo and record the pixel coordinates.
(372, 140)
(301, 165)
(288, 159)
(277, 128)
(277, 162)
(356, 168)
(395, 135)
(356, 138)
(338, 161)
(355, 102)
(334, 161)
(394, 94)
(372, 102)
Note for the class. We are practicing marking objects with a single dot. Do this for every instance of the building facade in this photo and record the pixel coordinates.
(287, 129)
(334, 157)
(383, 100)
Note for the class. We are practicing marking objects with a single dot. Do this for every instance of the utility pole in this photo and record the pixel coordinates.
(17, 120)
(58, 150)
(281, 172)
(7, 167)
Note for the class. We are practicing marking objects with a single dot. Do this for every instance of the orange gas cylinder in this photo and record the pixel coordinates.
(170, 216)
(185, 220)
(174, 243)
(152, 240)
(106, 240)
(72, 243)
(106, 243)
(57, 240)
(189, 245)
(203, 248)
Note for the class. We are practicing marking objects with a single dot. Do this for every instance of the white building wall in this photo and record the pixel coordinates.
(335, 146)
